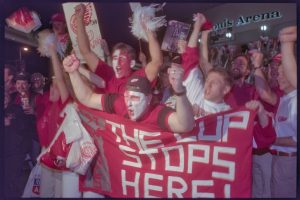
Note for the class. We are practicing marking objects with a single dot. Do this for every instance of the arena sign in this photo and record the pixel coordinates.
(244, 20)
(140, 161)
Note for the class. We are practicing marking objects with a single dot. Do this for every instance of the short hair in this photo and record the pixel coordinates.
(125, 47)
(223, 72)
(246, 57)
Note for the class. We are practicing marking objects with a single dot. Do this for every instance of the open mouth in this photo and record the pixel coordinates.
(118, 69)
(130, 112)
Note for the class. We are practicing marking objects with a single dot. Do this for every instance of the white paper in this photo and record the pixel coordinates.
(92, 28)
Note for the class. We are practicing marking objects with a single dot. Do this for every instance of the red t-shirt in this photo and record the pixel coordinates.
(238, 96)
(49, 122)
(113, 84)
(265, 137)
(273, 108)
(41, 102)
(157, 115)
(190, 60)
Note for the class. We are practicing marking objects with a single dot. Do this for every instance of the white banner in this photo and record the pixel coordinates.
(91, 26)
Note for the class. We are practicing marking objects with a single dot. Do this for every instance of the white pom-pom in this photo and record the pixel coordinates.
(152, 23)
(45, 38)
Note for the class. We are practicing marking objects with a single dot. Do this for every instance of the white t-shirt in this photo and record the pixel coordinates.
(207, 107)
(285, 122)
(194, 84)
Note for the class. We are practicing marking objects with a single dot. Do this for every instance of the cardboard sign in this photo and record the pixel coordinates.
(176, 30)
(91, 26)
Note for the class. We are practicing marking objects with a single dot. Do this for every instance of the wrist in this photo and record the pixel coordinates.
(181, 92)
(257, 67)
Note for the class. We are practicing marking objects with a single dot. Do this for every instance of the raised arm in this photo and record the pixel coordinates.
(83, 41)
(82, 91)
(261, 84)
(204, 63)
(199, 21)
(106, 52)
(183, 119)
(92, 77)
(58, 73)
(288, 37)
(152, 68)
(142, 58)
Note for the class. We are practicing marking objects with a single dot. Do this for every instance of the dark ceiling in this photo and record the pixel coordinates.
(113, 17)
(113, 20)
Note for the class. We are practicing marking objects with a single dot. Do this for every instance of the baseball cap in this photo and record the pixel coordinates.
(138, 84)
(58, 17)
(22, 76)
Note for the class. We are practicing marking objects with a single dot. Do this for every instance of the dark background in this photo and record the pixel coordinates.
(113, 19)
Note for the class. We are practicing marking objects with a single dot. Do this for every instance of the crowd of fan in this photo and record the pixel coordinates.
(179, 88)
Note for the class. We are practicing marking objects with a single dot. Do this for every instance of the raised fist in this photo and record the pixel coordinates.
(175, 77)
(71, 63)
(256, 58)
(288, 34)
(79, 10)
(199, 19)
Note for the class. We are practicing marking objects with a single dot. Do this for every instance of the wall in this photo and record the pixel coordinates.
(251, 31)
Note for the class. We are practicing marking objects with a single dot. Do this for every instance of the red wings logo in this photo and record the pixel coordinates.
(87, 18)
(88, 150)
(282, 118)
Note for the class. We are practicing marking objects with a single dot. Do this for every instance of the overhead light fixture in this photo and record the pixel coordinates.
(228, 35)
(263, 27)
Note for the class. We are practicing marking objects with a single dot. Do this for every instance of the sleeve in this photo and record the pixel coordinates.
(141, 72)
(264, 137)
(108, 102)
(190, 59)
(104, 71)
(163, 115)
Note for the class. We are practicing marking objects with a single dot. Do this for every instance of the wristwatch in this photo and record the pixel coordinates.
(180, 93)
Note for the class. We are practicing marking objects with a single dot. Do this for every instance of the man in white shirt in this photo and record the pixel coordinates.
(284, 150)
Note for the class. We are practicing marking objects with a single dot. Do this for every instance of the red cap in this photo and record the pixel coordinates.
(139, 84)
(57, 17)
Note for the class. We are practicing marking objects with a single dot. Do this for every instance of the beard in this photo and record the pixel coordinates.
(236, 74)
